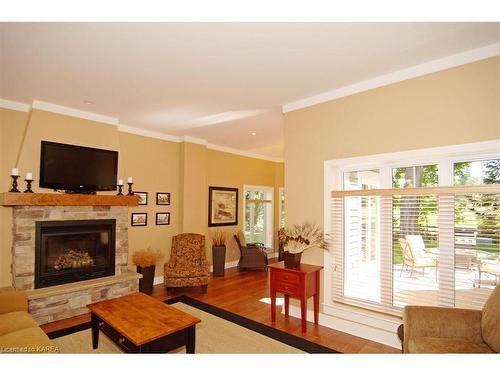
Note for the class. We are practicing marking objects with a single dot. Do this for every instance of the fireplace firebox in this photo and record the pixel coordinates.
(73, 250)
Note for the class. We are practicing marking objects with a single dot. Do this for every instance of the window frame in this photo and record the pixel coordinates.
(443, 157)
(269, 225)
(281, 207)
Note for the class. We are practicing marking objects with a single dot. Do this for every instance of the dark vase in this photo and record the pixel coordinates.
(218, 260)
(292, 260)
(148, 275)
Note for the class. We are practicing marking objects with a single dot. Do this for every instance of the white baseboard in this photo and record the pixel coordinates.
(365, 325)
(158, 280)
(227, 265)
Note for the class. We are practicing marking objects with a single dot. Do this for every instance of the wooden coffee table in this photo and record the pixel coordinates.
(138, 323)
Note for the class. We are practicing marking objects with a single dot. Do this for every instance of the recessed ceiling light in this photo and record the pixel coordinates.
(253, 133)
(89, 102)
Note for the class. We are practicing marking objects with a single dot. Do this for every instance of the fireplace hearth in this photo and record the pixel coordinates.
(73, 250)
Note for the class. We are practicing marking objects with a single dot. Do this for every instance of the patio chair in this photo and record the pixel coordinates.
(490, 266)
(415, 256)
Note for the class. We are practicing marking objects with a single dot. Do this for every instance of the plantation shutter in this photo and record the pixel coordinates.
(435, 246)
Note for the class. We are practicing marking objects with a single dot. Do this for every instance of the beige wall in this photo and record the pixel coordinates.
(228, 170)
(65, 129)
(459, 105)
(194, 188)
(154, 165)
(12, 125)
(183, 169)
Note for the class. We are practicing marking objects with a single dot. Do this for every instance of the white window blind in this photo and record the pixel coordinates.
(435, 246)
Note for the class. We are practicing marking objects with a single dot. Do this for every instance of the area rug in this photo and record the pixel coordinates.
(220, 331)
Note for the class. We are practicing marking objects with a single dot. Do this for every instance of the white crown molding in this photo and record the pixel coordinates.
(398, 76)
(15, 106)
(198, 141)
(230, 150)
(50, 107)
(68, 111)
(148, 133)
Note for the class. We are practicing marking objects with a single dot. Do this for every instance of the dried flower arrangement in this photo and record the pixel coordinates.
(146, 257)
(300, 237)
(218, 238)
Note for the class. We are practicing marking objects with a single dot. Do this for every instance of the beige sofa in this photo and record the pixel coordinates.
(447, 330)
(19, 332)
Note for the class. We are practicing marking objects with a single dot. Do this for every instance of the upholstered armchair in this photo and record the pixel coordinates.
(447, 330)
(187, 265)
(251, 257)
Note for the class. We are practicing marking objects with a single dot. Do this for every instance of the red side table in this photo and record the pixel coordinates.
(300, 283)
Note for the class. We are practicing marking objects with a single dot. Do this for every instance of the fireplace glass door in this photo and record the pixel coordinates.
(69, 251)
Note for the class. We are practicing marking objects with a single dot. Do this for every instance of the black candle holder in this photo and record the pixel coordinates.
(130, 192)
(120, 190)
(14, 184)
(28, 186)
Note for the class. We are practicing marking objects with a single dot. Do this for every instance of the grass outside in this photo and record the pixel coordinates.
(397, 252)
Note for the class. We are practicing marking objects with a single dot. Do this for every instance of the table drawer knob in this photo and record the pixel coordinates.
(286, 277)
(101, 324)
(121, 340)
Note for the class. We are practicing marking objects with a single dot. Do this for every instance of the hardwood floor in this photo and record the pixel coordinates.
(240, 293)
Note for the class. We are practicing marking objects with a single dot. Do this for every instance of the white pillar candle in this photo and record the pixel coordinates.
(29, 176)
(120, 182)
(129, 180)
(14, 172)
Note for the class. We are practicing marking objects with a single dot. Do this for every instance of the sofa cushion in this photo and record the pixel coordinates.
(434, 345)
(186, 281)
(15, 321)
(185, 272)
(28, 340)
(13, 301)
(490, 321)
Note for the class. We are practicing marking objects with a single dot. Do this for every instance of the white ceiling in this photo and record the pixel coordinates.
(216, 81)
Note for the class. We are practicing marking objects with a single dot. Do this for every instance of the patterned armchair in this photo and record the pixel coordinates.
(187, 265)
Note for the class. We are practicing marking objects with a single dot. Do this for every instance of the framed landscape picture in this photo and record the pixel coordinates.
(143, 197)
(163, 218)
(222, 206)
(162, 199)
(139, 219)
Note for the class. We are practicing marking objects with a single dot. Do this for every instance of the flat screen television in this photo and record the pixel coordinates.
(77, 169)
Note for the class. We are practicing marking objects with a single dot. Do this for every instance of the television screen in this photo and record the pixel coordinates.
(77, 168)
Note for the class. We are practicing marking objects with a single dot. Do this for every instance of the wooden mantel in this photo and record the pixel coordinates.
(43, 199)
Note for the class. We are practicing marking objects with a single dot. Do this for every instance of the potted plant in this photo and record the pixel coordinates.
(218, 252)
(146, 260)
(299, 238)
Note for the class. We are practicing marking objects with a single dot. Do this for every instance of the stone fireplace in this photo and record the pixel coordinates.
(67, 251)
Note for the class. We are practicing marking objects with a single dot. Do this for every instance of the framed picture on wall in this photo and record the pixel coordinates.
(162, 199)
(222, 206)
(163, 218)
(139, 219)
(143, 197)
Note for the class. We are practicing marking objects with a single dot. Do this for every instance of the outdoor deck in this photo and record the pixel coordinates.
(363, 282)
